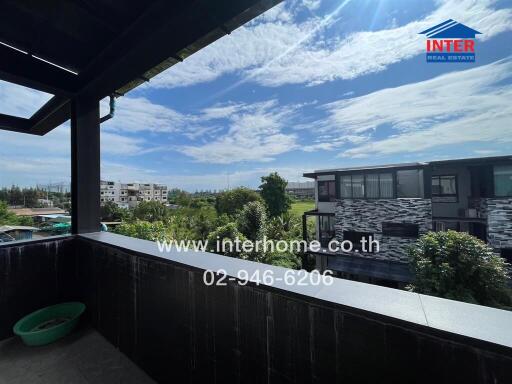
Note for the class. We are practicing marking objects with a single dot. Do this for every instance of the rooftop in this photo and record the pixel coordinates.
(37, 211)
(472, 160)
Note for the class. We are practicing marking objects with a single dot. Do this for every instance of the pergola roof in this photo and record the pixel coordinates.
(96, 48)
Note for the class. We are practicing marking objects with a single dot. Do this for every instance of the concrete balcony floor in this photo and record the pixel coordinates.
(84, 357)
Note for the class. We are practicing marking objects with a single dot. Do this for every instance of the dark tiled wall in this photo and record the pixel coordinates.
(366, 215)
(499, 221)
(32, 276)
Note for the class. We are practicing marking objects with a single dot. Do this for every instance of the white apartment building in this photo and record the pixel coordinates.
(129, 195)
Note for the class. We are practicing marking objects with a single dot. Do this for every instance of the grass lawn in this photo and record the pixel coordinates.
(299, 207)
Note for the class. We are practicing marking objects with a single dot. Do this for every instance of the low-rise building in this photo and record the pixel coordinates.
(130, 194)
(301, 190)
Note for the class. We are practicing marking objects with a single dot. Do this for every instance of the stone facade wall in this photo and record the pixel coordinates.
(364, 215)
(499, 222)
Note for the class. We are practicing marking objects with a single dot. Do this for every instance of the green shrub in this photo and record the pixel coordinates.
(458, 266)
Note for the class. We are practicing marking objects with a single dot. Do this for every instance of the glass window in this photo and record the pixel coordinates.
(346, 186)
(372, 185)
(326, 229)
(386, 185)
(409, 183)
(357, 186)
(503, 180)
(326, 191)
(444, 185)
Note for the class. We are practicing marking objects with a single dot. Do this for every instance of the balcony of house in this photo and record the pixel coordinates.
(157, 310)
(474, 196)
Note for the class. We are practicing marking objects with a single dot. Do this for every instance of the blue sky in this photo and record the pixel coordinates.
(308, 85)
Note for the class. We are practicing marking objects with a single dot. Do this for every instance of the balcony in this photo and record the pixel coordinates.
(156, 309)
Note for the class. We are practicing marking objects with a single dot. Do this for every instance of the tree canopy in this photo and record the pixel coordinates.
(273, 192)
(232, 202)
(458, 266)
(252, 220)
(150, 211)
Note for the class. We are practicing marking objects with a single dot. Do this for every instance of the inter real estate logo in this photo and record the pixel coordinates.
(450, 42)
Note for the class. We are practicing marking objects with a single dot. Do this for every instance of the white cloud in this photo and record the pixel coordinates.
(274, 51)
(134, 114)
(114, 144)
(31, 170)
(256, 133)
(455, 108)
(20, 101)
(312, 4)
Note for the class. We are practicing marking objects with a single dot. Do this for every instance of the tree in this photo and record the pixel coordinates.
(456, 265)
(9, 218)
(231, 202)
(143, 230)
(150, 211)
(252, 221)
(273, 191)
(110, 211)
(6, 217)
(228, 232)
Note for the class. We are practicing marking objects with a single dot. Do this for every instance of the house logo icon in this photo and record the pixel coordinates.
(450, 42)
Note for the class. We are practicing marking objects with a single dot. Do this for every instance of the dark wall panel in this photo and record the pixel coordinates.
(161, 315)
(179, 330)
(34, 275)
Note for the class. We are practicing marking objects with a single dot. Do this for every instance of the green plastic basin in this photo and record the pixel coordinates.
(49, 324)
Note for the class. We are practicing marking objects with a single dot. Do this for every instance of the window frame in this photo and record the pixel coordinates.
(339, 176)
(330, 219)
(456, 194)
(329, 198)
(494, 180)
(423, 192)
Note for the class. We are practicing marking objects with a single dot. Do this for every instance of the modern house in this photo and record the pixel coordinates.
(16, 232)
(395, 204)
(129, 195)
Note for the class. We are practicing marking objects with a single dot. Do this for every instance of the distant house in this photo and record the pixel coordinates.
(304, 190)
(16, 232)
(395, 204)
(32, 212)
(45, 202)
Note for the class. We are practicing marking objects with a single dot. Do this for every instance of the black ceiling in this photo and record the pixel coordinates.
(111, 46)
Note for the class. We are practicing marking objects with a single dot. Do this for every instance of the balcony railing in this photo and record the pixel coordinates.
(158, 311)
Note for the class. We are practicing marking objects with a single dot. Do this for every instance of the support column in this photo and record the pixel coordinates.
(304, 227)
(85, 165)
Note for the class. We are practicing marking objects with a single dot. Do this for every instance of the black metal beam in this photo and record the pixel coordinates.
(147, 43)
(54, 113)
(13, 123)
(85, 165)
(23, 69)
(142, 51)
